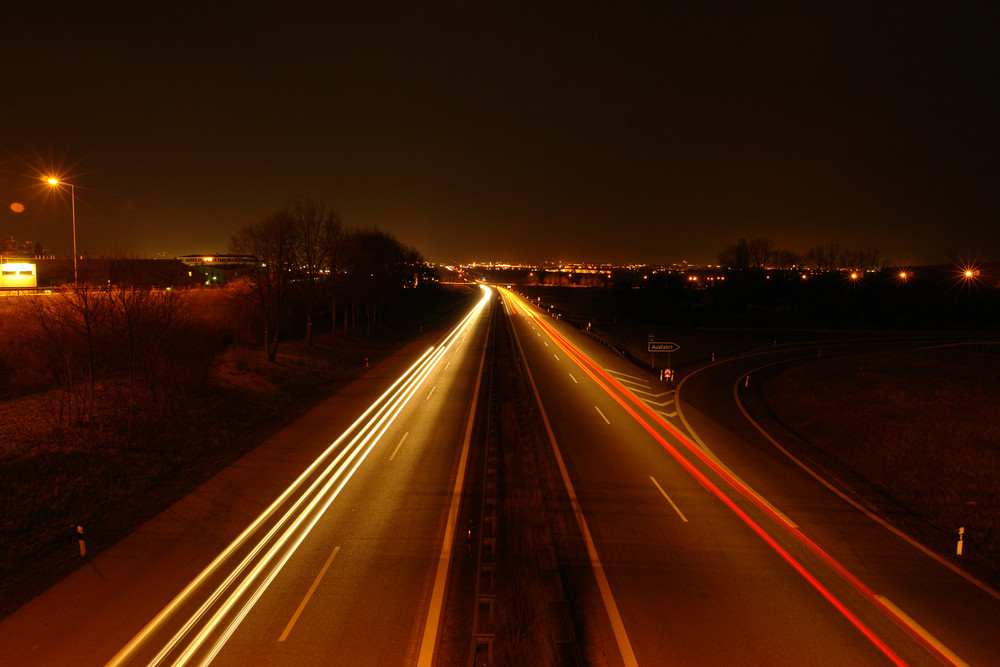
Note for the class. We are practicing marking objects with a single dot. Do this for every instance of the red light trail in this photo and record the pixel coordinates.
(606, 382)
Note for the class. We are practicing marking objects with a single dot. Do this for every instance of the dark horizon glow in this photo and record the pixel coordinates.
(522, 133)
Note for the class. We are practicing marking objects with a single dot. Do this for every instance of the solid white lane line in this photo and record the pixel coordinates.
(672, 503)
(574, 379)
(602, 414)
(399, 445)
(305, 600)
(435, 609)
(919, 629)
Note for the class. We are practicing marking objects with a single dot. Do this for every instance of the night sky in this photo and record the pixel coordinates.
(517, 131)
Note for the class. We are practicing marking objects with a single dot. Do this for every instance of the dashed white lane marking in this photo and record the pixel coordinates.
(399, 445)
(672, 503)
(305, 600)
(602, 414)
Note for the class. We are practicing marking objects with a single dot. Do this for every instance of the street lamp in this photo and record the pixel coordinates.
(72, 198)
(969, 274)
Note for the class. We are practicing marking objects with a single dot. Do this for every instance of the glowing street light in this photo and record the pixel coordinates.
(72, 198)
(969, 274)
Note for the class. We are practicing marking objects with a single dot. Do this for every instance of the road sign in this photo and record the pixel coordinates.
(663, 347)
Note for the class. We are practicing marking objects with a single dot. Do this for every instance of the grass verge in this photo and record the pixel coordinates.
(914, 433)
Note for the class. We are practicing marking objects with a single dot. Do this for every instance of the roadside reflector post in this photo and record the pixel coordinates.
(961, 539)
(79, 537)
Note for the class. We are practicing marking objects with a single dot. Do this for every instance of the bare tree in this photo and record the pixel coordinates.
(860, 260)
(873, 257)
(318, 236)
(824, 257)
(128, 306)
(786, 259)
(736, 256)
(376, 267)
(75, 324)
(272, 243)
(759, 252)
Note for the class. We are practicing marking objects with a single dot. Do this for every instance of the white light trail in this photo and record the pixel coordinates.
(207, 629)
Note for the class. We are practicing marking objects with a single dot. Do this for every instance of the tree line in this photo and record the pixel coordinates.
(122, 350)
(308, 266)
(760, 253)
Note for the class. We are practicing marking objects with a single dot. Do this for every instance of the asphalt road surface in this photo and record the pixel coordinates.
(705, 542)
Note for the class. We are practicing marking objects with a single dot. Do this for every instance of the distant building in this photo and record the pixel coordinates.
(219, 269)
(218, 260)
(13, 249)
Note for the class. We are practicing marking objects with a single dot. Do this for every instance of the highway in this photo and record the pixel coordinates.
(698, 541)
(711, 546)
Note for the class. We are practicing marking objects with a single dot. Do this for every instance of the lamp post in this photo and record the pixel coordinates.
(72, 198)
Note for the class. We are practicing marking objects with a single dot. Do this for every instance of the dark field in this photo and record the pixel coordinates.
(915, 433)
